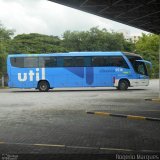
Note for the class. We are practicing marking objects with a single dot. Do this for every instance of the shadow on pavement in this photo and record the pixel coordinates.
(77, 90)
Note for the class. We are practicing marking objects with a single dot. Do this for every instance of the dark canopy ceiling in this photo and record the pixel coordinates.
(143, 14)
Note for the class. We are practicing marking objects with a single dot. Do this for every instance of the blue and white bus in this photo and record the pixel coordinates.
(77, 69)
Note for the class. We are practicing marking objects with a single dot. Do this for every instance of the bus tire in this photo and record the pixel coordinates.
(123, 85)
(43, 86)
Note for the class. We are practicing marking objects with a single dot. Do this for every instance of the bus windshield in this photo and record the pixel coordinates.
(139, 67)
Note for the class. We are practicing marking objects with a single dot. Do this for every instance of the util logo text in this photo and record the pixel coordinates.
(31, 74)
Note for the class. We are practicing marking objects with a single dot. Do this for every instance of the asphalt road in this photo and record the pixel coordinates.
(56, 121)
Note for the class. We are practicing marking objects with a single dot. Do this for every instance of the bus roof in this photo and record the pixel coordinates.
(117, 53)
(131, 54)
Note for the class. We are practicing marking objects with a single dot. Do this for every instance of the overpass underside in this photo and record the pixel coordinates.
(142, 14)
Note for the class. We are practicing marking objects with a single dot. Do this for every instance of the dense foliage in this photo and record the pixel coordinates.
(5, 43)
(148, 47)
(92, 40)
(95, 40)
(36, 43)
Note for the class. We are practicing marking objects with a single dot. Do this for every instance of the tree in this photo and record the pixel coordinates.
(5, 39)
(147, 46)
(95, 40)
(36, 43)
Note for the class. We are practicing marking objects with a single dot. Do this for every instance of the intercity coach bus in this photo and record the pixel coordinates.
(77, 69)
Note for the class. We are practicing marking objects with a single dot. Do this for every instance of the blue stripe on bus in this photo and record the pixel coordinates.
(77, 71)
(89, 75)
(80, 73)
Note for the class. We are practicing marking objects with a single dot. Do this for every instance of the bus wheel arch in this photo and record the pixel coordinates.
(43, 86)
(123, 84)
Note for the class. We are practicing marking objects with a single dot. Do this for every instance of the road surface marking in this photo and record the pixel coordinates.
(82, 147)
(49, 145)
(78, 147)
(136, 117)
(117, 149)
(124, 116)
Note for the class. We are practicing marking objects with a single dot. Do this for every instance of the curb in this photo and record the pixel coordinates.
(125, 116)
(154, 99)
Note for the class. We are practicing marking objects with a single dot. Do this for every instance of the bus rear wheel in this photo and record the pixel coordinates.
(43, 86)
(123, 85)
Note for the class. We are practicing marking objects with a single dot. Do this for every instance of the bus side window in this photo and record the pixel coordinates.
(78, 61)
(118, 61)
(68, 62)
(100, 61)
(50, 62)
(47, 62)
(17, 62)
(31, 62)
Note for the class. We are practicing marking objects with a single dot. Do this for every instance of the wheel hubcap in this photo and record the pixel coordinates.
(43, 86)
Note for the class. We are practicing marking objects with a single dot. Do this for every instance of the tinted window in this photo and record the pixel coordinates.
(117, 61)
(99, 61)
(17, 62)
(140, 68)
(47, 62)
(133, 59)
(73, 62)
(78, 61)
(25, 62)
(31, 62)
(68, 62)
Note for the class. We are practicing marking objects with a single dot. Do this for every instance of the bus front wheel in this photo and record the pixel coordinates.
(43, 86)
(123, 85)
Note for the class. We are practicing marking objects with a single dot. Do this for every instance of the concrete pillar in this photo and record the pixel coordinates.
(159, 67)
(2, 80)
